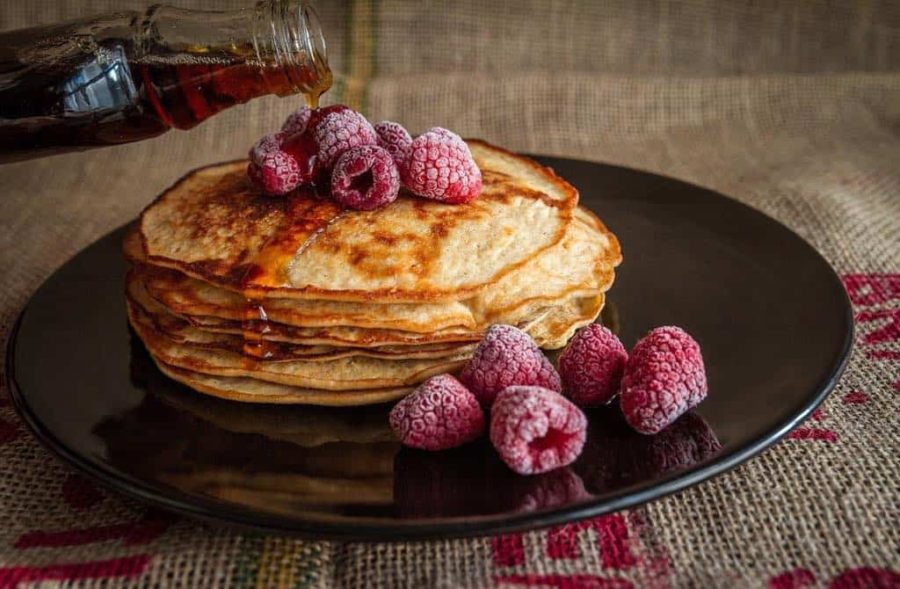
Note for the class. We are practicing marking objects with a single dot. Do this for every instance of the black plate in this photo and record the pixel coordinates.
(772, 317)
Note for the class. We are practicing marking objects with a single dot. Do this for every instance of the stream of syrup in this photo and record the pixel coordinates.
(306, 216)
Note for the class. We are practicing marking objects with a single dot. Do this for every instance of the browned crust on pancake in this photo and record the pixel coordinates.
(232, 277)
(561, 182)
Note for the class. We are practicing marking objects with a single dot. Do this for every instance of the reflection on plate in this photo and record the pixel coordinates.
(346, 460)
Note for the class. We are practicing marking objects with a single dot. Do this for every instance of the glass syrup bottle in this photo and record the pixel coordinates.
(128, 76)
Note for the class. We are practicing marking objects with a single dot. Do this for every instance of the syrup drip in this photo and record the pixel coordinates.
(305, 218)
(254, 327)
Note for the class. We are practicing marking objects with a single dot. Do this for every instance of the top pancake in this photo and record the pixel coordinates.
(214, 225)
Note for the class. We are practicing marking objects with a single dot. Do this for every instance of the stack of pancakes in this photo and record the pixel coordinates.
(295, 300)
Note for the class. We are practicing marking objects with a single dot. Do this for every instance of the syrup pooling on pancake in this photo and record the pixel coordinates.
(214, 225)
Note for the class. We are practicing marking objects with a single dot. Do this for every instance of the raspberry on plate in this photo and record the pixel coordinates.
(338, 130)
(591, 366)
(276, 173)
(536, 430)
(441, 167)
(664, 377)
(365, 178)
(507, 356)
(296, 122)
(440, 414)
(396, 139)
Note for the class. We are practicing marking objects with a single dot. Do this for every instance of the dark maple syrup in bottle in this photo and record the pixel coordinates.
(129, 76)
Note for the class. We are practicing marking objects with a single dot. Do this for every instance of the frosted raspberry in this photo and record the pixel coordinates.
(507, 356)
(277, 173)
(591, 366)
(266, 145)
(296, 122)
(663, 378)
(535, 429)
(320, 113)
(440, 414)
(440, 166)
(337, 131)
(394, 138)
(365, 178)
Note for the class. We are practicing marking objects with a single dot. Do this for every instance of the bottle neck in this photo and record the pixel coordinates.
(282, 39)
(288, 35)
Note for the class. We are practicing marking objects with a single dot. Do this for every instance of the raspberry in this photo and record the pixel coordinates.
(268, 143)
(276, 173)
(394, 138)
(663, 378)
(319, 114)
(440, 166)
(440, 414)
(507, 356)
(591, 366)
(303, 149)
(365, 178)
(297, 121)
(535, 429)
(337, 131)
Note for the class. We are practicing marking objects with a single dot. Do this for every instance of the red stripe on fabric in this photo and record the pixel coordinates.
(565, 581)
(883, 354)
(129, 566)
(614, 541)
(794, 579)
(508, 550)
(872, 289)
(812, 433)
(613, 533)
(866, 577)
(856, 398)
(142, 531)
(889, 332)
(562, 541)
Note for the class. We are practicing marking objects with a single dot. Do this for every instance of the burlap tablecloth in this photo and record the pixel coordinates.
(791, 107)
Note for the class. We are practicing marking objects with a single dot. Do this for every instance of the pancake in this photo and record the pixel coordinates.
(555, 329)
(292, 300)
(338, 336)
(181, 331)
(214, 225)
(252, 390)
(354, 373)
(581, 263)
(584, 307)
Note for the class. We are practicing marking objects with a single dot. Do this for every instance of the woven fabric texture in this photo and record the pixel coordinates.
(791, 107)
